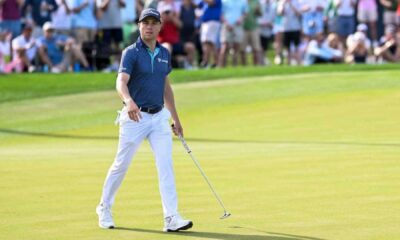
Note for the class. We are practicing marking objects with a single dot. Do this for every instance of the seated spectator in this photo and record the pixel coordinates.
(333, 41)
(59, 52)
(318, 51)
(24, 47)
(362, 28)
(5, 53)
(389, 45)
(19, 62)
(357, 48)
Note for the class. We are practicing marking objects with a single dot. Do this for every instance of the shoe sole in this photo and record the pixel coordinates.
(101, 226)
(106, 227)
(186, 227)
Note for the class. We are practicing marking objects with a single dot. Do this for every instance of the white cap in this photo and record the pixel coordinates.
(165, 8)
(47, 26)
(362, 27)
(359, 36)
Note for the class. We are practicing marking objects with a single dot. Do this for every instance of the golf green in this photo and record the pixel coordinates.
(304, 156)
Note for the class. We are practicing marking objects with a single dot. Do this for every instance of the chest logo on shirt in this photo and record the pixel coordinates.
(162, 60)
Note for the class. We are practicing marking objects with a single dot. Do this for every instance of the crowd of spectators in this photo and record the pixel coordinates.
(88, 35)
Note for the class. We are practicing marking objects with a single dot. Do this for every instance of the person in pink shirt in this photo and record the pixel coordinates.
(368, 13)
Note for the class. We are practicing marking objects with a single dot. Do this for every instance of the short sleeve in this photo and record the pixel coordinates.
(127, 61)
(169, 63)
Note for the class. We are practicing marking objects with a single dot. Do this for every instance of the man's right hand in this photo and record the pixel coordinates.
(133, 110)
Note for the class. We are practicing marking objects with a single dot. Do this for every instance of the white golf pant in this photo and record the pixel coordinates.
(154, 127)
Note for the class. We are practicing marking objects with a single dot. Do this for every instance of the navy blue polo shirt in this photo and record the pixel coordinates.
(148, 71)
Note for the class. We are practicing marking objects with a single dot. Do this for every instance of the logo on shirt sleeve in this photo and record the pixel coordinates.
(162, 60)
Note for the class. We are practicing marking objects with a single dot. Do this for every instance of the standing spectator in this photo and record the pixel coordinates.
(389, 14)
(151, 4)
(345, 18)
(129, 17)
(367, 12)
(61, 18)
(290, 11)
(389, 45)
(40, 10)
(209, 30)
(398, 14)
(233, 14)
(26, 42)
(58, 52)
(188, 31)
(266, 23)
(278, 33)
(84, 21)
(110, 28)
(10, 17)
(169, 36)
(313, 16)
(330, 16)
(252, 33)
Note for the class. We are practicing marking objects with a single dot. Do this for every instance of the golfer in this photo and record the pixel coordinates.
(143, 86)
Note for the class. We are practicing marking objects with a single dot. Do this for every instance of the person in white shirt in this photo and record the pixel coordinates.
(319, 51)
(25, 42)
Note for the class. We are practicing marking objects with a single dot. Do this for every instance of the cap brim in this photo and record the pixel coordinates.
(142, 19)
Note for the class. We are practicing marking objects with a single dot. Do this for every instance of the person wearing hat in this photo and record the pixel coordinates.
(58, 51)
(143, 86)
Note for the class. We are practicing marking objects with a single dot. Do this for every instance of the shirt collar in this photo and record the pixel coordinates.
(140, 43)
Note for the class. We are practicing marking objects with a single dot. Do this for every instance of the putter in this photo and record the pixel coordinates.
(226, 213)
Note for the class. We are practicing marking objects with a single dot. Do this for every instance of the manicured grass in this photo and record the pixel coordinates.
(302, 156)
(27, 86)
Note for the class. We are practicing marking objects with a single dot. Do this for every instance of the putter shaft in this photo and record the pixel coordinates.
(226, 213)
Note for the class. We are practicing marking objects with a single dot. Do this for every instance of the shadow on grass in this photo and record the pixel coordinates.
(223, 236)
(70, 136)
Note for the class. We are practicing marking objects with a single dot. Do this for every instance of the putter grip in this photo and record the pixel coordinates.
(183, 142)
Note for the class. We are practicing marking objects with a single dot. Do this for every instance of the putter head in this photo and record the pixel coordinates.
(226, 215)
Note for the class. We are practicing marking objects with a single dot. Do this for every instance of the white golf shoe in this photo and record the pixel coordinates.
(175, 223)
(105, 217)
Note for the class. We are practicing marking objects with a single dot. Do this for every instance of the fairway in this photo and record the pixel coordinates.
(312, 156)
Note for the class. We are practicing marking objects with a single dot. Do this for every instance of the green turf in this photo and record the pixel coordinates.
(17, 87)
(305, 156)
